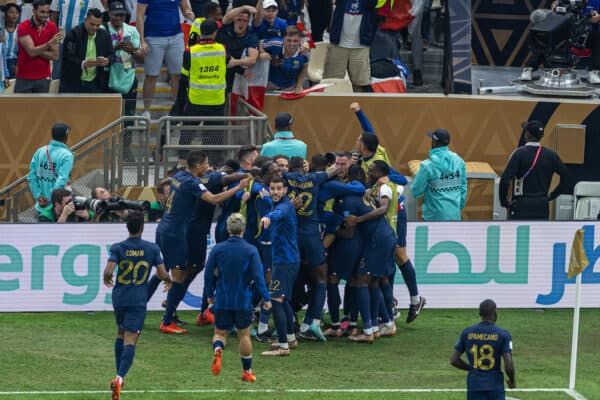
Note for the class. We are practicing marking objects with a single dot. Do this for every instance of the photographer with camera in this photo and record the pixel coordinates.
(65, 208)
(568, 25)
(113, 208)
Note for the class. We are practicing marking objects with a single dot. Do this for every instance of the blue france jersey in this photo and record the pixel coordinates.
(307, 187)
(267, 30)
(134, 258)
(376, 232)
(283, 232)
(283, 71)
(238, 268)
(204, 211)
(484, 343)
(181, 203)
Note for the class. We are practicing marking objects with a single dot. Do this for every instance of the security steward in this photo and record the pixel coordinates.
(203, 81)
(530, 169)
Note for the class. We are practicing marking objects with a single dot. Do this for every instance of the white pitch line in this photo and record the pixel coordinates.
(571, 393)
(575, 394)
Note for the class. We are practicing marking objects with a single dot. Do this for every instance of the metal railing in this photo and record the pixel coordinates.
(122, 153)
(99, 161)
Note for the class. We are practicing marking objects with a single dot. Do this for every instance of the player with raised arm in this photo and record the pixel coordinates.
(232, 270)
(486, 345)
(134, 257)
(171, 234)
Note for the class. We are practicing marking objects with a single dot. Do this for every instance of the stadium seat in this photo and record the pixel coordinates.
(316, 65)
(54, 85)
(11, 88)
(339, 85)
(587, 200)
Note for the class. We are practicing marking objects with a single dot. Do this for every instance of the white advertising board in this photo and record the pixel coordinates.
(51, 267)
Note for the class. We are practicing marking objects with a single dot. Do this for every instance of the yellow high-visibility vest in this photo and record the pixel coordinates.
(208, 65)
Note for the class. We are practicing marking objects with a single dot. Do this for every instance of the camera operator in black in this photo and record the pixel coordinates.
(115, 208)
(530, 169)
(63, 209)
(537, 57)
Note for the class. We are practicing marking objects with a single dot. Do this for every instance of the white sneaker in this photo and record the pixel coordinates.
(527, 74)
(594, 77)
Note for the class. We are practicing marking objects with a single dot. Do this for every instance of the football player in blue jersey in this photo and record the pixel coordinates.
(377, 258)
(486, 345)
(304, 188)
(388, 194)
(171, 234)
(286, 261)
(133, 259)
(232, 270)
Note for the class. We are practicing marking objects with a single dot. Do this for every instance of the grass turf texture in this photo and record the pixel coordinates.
(74, 351)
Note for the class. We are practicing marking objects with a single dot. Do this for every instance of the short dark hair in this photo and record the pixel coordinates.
(8, 6)
(318, 162)
(233, 164)
(245, 150)
(296, 163)
(135, 222)
(38, 3)
(370, 141)
(487, 308)
(264, 169)
(195, 157)
(94, 12)
(160, 188)
(210, 9)
(356, 173)
(278, 156)
(293, 30)
(344, 153)
(382, 167)
(58, 195)
(277, 179)
(260, 161)
(208, 27)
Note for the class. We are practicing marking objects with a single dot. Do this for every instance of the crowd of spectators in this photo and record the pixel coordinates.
(265, 41)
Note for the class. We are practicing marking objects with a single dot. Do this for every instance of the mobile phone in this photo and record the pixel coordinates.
(127, 39)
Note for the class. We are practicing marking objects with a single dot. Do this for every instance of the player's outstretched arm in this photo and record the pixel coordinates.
(108, 273)
(215, 199)
(509, 368)
(458, 362)
(235, 177)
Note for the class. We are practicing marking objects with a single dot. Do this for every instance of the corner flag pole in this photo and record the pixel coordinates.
(575, 337)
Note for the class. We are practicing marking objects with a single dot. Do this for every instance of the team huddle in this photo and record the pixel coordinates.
(285, 225)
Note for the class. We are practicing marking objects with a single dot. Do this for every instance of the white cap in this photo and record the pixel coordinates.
(270, 3)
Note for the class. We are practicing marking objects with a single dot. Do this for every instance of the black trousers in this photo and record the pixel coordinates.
(529, 208)
(320, 17)
(210, 137)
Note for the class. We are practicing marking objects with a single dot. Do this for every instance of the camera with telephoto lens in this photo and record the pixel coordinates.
(556, 33)
(83, 203)
(117, 203)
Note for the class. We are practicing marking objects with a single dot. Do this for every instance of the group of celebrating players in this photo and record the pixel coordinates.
(339, 217)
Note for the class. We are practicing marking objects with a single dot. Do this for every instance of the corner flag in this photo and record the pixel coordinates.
(578, 260)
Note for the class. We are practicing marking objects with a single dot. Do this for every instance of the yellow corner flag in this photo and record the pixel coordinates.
(578, 260)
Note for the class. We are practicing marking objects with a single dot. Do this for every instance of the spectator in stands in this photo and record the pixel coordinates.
(4, 81)
(238, 40)
(87, 51)
(157, 207)
(157, 22)
(38, 44)
(12, 13)
(351, 33)
(63, 209)
(441, 180)
(67, 14)
(210, 11)
(291, 11)
(289, 61)
(126, 42)
(50, 167)
(266, 23)
(284, 142)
